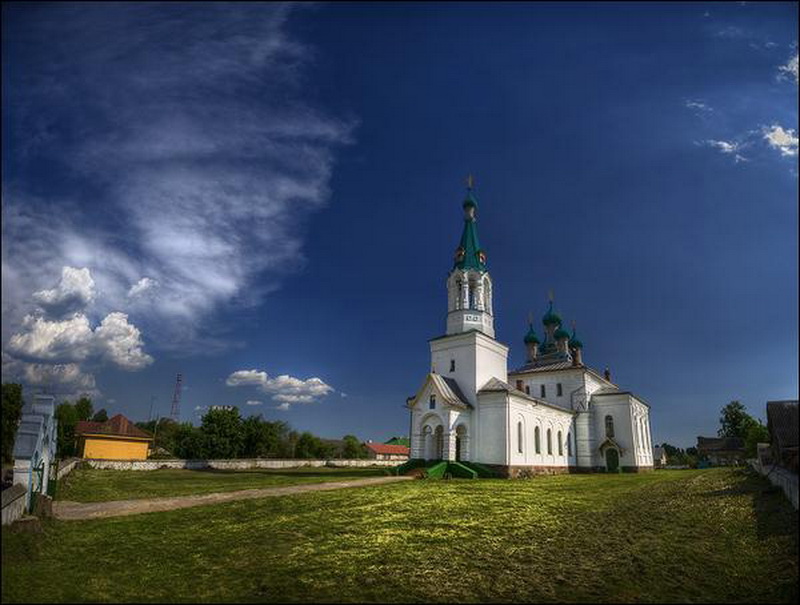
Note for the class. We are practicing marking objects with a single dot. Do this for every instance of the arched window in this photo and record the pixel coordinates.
(569, 444)
(609, 427)
(432, 402)
(520, 436)
(537, 441)
(549, 441)
(560, 445)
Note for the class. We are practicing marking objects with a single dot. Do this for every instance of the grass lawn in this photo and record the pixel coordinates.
(92, 485)
(713, 535)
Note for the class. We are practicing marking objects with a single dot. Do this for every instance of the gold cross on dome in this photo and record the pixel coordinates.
(530, 317)
(551, 295)
(470, 181)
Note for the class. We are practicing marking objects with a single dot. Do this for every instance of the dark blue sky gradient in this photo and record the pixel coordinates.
(678, 263)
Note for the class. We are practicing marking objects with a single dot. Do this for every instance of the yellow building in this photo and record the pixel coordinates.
(115, 439)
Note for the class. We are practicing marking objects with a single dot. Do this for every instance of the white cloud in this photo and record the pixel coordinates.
(783, 140)
(284, 407)
(246, 378)
(66, 380)
(211, 188)
(73, 340)
(728, 147)
(146, 285)
(73, 293)
(698, 106)
(253, 402)
(789, 71)
(121, 342)
(284, 388)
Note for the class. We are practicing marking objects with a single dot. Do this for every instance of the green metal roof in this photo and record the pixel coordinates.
(560, 333)
(469, 254)
(531, 336)
(551, 317)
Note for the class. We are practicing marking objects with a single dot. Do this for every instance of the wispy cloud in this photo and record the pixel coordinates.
(195, 133)
(254, 402)
(730, 148)
(789, 70)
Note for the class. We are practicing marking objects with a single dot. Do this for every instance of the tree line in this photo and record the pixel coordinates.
(223, 433)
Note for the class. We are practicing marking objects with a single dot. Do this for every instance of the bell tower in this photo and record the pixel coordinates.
(469, 286)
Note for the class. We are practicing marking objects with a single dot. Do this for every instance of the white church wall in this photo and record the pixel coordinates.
(490, 429)
(619, 408)
(545, 418)
(477, 357)
(570, 380)
(585, 438)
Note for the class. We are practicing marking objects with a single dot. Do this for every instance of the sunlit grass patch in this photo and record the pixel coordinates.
(683, 536)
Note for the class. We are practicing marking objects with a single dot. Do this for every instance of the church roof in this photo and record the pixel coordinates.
(560, 365)
(469, 254)
(495, 385)
(447, 388)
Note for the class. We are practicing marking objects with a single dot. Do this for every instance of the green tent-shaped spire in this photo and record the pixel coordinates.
(469, 254)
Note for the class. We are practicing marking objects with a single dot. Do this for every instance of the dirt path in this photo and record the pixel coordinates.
(75, 511)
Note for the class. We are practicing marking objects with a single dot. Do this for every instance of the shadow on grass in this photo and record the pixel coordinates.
(774, 514)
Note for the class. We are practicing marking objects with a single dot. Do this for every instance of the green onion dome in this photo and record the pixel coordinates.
(470, 200)
(530, 337)
(560, 333)
(574, 343)
(551, 318)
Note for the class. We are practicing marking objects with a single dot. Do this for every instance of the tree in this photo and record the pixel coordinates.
(757, 433)
(306, 446)
(189, 442)
(261, 438)
(12, 412)
(735, 421)
(100, 416)
(83, 407)
(222, 433)
(66, 417)
(353, 448)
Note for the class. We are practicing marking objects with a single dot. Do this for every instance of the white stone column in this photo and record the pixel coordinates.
(449, 449)
(479, 296)
(465, 293)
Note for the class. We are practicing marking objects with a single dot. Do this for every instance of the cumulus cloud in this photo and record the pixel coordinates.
(789, 70)
(246, 377)
(253, 402)
(68, 379)
(73, 340)
(199, 138)
(73, 293)
(783, 140)
(283, 407)
(284, 388)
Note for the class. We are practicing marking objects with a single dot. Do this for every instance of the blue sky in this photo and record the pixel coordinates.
(266, 198)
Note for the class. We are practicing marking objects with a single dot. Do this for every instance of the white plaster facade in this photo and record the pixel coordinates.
(552, 414)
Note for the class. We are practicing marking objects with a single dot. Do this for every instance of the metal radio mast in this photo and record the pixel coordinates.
(176, 400)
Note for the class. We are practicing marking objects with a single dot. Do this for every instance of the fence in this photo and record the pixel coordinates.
(232, 464)
(14, 503)
(780, 477)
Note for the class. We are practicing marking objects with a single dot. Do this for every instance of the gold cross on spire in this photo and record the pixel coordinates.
(551, 295)
(530, 317)
(573, 325)
(470, 181)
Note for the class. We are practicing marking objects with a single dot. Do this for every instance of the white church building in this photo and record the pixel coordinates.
(553, 414)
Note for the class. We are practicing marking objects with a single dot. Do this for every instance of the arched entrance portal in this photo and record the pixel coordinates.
(612, 460)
